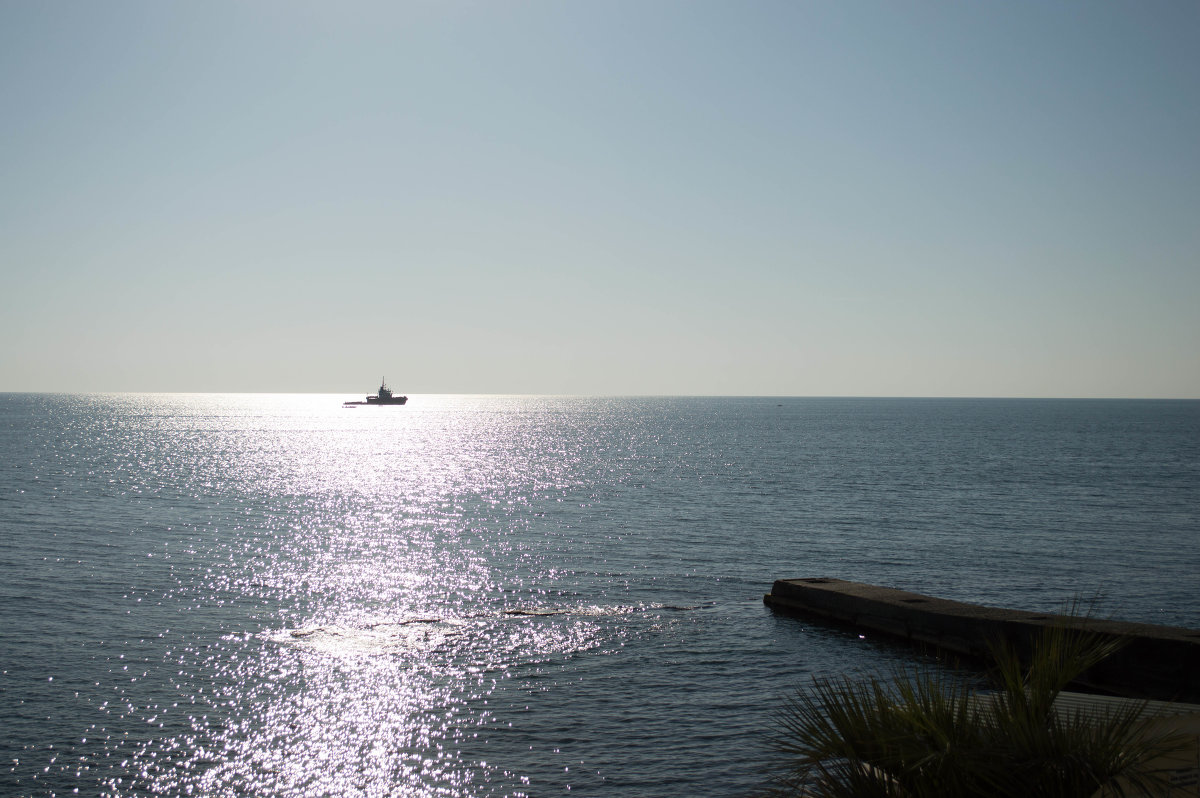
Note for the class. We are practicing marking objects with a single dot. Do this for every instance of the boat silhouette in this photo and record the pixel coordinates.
(384, 397)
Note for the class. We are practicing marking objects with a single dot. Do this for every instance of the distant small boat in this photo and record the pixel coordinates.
(384, 397)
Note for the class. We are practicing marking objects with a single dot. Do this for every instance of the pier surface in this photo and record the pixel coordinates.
(1160, 662)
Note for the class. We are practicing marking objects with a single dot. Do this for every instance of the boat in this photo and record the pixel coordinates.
(384, 397)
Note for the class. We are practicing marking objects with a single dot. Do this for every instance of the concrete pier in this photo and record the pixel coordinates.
(1159, 662)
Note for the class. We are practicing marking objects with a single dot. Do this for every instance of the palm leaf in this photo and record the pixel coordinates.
(929, 734)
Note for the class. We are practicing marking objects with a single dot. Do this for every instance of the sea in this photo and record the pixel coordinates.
(274, 595)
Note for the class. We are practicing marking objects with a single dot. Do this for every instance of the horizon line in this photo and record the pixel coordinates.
(1014, 397)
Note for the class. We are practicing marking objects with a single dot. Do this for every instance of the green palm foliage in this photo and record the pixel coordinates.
(931, 735)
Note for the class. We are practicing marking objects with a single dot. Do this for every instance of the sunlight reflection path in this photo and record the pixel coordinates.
(392, 549)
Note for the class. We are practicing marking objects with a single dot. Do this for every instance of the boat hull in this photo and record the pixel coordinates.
(373, 401)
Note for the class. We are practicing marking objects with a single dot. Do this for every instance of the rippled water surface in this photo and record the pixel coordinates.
(474, 596)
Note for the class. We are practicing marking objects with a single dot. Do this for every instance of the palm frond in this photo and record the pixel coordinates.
(925, 734)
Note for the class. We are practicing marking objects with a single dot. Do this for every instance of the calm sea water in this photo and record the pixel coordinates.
(229, 595)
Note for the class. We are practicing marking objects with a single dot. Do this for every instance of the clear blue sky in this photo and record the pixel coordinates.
(776, 198)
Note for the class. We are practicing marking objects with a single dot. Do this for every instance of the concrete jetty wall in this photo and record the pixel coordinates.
(1160, 662)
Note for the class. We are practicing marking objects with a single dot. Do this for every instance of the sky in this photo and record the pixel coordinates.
(786, 198)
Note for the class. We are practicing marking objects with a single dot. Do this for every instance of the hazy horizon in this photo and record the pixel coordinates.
(619, 199)
(415, 398)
